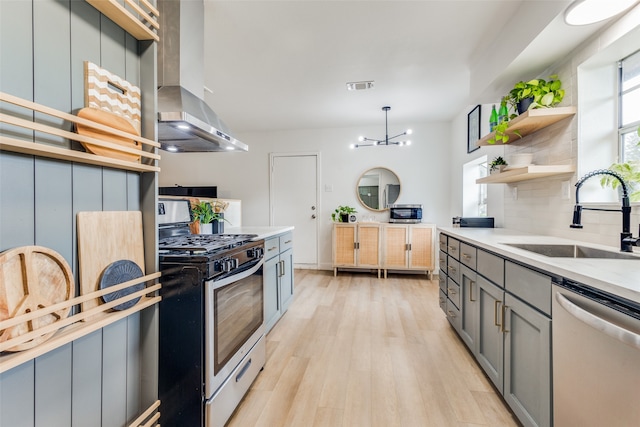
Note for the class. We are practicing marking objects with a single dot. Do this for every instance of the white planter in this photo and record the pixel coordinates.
(497, 169)
(206, 228)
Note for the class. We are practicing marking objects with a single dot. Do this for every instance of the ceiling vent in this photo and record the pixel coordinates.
(360, 85)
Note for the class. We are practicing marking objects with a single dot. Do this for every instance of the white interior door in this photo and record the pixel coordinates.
(294, 201)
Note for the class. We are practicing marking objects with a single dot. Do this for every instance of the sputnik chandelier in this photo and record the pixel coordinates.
(368, 142)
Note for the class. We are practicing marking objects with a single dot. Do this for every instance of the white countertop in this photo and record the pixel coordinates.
(263, 232)
(617, 276)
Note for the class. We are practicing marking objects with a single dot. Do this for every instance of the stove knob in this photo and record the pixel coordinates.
(255, 253)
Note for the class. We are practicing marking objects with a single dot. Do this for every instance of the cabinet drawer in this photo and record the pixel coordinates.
(453, 248)
(453, 292)
(286, 241)
(271, 247)
(468, 255)
(453, 315)
(532, 287)
(442, 261)
(491, 267)
(442, 281)
(443, 242)
(442, 301)
(453, 269)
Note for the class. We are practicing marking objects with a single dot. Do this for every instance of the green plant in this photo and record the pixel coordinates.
(501, 133)
(630, 172)
(203, 213)
(545, 94)
(498, 161)
(342, 210)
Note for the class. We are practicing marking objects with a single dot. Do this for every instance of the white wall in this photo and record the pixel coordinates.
(423, 169)
(540, 206)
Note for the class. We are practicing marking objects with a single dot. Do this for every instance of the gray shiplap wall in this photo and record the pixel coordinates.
(99, 379)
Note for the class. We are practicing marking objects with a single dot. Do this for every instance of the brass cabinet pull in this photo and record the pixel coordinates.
(471, 283)
(452, 291)
(504, 321)
(452, 249)
(452, 269)
(495, 312)
(451, 313)
(466, 256)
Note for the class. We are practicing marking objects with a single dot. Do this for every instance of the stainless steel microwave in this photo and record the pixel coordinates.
(407, 214)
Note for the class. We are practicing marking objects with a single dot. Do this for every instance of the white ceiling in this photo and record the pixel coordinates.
(277, 65)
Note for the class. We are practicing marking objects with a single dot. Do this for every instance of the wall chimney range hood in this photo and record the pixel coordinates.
(185, 122)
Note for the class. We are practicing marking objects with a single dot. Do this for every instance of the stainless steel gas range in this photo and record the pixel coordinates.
(211, 319)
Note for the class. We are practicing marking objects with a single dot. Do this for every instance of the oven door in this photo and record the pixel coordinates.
(234, 312)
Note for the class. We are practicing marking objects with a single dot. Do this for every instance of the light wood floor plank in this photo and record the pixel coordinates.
(356, 350)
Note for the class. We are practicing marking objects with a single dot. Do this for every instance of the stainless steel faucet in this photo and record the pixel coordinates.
(627, 241)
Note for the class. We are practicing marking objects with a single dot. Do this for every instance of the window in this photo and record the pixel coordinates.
(474, 196)
(629, 108)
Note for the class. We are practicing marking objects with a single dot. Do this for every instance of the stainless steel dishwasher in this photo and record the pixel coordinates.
(596, 358)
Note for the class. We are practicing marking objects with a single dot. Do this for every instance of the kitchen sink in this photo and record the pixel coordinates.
(571, 251)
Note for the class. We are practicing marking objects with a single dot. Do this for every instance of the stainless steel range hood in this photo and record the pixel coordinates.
(185, 122)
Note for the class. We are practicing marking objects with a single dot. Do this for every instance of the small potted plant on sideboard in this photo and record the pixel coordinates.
(341, 214)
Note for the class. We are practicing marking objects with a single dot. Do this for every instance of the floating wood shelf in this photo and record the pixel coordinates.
(526, 173)
(140, 23)
(62, 153)
(530, 122)
(76, 325)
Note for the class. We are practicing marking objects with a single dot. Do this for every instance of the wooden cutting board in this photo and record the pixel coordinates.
(116, 122)
(33, 277)
(103, 238)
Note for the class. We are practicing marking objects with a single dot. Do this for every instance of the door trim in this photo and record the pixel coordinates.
(317, 155)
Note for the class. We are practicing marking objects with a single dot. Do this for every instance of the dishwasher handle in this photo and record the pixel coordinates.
(621, 334)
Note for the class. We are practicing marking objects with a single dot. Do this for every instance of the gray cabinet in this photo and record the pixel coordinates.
(490, 353)
(469, 308)
(502, 312)
(527, 362)
(272, 309)
(278, 280)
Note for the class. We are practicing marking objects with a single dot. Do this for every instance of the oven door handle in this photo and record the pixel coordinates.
(621, 334)
(217, 284)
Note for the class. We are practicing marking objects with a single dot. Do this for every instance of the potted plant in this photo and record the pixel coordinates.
(630, 172)
(203, 214)
(341, 214)
(536, 93)
(497, 165)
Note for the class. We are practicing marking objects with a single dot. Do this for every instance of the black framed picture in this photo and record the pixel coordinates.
(473, 129)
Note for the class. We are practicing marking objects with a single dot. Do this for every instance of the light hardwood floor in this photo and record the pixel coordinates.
(360, 351)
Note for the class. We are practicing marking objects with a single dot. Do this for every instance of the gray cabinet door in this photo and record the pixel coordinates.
(490, 353)
(286, 279)
(272, 309)
(469, 308)
(527, 363)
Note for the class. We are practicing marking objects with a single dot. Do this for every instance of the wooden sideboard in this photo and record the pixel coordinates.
(383, 247)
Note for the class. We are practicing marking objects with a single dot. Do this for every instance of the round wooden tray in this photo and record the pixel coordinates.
(32, 278)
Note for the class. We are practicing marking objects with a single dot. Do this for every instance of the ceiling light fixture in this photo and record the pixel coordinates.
(584, 12)
(360, 85)
(387, 140)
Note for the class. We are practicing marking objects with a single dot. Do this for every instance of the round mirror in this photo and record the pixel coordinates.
(378, 188)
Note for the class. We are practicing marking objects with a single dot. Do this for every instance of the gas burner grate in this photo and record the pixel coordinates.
(204, 242)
